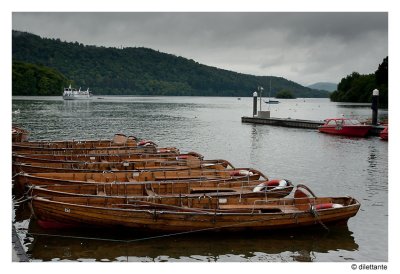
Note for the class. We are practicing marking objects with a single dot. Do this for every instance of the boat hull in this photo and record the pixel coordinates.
(355, 131)
(176, 221)
(77, 97)
(384, 135)
(271, 102)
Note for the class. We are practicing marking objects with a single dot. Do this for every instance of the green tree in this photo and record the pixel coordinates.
(358, 87)
(30, 79)
(285, 94)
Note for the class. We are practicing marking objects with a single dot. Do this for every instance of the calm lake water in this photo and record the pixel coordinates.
(329, 165)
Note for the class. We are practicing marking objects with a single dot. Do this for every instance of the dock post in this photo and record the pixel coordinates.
(255, 103)
(374, 106)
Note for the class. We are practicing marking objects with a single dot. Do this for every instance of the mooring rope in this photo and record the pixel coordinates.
(17, 202)
(17, 174)
(314, 212)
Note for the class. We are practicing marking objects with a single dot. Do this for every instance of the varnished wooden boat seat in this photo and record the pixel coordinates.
(202, 189)
(278, 208)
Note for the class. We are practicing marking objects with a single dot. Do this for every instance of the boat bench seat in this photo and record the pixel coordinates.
(283, 208)
(210, 189)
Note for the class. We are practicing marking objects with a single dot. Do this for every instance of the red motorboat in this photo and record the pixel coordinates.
(385, 133)
(344, 126)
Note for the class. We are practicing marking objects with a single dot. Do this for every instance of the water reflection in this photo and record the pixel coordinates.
(299, 245)
(73, 106)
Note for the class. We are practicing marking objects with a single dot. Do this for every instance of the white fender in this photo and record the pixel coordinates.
(246, 173)
(259, 187)
(282, 185)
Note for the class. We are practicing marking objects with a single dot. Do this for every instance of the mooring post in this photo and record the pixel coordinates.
(255, 103)
(374, 106)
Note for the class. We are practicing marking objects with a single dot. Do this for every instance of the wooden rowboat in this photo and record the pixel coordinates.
(169, 188)
(181, 214)
(120, 166)
(104, 150)
(122, 157)
(118, 140)
(237, 174)
(19, 134)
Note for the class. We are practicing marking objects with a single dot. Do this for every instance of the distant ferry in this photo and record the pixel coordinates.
(73, 94)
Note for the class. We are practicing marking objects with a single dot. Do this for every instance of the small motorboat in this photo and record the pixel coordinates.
(385, 133)
(344, 126)
(271, 101)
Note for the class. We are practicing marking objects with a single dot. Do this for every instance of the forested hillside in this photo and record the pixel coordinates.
(30, 79)
(358, 87)
(131, 71)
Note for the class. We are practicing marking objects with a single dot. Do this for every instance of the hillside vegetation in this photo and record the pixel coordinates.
(30, 79)
(358, 87)
(142, 71)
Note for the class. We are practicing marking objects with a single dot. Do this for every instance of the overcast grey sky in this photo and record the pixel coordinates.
(302, 47)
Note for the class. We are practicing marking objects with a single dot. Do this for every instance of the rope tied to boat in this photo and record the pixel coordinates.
(28, 190)
(18, 202)
(314, 212)
(17, 174)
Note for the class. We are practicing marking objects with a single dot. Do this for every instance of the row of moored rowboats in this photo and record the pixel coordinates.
(131, 183)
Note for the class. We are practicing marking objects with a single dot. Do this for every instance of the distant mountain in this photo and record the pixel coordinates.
(142, 71)
(324, 86)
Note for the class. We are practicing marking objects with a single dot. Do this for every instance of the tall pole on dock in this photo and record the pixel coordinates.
(255, 103)
(260, 89)
(374, 106)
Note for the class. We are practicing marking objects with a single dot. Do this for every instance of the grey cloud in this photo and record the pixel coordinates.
(303, 47)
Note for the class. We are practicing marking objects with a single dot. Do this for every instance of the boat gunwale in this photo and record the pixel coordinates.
(212, 212)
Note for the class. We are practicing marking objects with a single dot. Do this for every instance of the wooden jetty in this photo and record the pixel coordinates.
(297, 123)
(283, 122)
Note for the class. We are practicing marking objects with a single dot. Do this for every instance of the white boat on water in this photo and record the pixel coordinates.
(74, 94)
